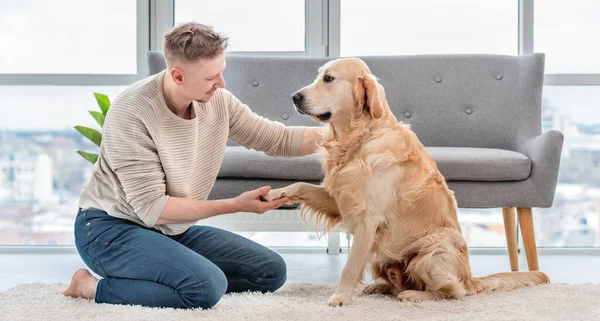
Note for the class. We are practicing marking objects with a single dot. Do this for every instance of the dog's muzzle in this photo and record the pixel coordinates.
(298, 98)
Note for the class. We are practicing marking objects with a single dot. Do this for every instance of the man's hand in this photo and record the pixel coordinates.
(251, 201)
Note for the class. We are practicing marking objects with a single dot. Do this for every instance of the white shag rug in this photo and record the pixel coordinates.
(304, 301)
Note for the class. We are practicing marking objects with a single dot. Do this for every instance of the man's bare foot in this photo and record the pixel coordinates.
(83, 285)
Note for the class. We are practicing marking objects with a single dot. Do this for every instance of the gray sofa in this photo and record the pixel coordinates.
(478, 115)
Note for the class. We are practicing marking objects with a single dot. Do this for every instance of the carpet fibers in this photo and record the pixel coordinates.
(305, 301)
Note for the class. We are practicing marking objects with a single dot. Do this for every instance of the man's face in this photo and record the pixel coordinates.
(199, 80)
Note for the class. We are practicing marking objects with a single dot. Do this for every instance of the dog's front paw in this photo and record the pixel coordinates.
(340, 299)
(274, 194)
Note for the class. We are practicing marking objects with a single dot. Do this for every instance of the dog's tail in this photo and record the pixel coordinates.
(506, 281)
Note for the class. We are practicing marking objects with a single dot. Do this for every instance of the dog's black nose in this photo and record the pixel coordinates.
(297, 98)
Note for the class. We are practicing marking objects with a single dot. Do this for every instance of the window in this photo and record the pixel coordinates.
(41, 174)
(259, 26)
(55, 56)
(574, 218)
(53, 52)
(389, 27)
(565, 31)
(68, 37)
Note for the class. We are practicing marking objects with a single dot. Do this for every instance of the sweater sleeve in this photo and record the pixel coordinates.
(132, 156)
(256, 132)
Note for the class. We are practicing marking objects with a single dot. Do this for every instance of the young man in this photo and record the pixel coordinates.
(163, 141)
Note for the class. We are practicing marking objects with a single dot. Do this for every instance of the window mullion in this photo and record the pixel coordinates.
(315, 28)
(526, 17)
(142, 36)
(161, 21)
(333, 24)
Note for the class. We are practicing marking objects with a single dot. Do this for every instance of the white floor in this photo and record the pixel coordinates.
(316, 268)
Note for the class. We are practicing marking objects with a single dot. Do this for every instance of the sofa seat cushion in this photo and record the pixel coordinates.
(480, 164)
(455, 163)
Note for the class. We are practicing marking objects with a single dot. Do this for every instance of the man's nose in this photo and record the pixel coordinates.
(221, 81)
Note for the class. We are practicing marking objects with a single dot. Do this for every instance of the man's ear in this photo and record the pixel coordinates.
(370, 95)
(176, 75)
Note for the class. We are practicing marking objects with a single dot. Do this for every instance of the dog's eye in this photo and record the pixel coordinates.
(328, 78)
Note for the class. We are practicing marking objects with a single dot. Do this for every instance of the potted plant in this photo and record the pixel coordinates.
(93, 135)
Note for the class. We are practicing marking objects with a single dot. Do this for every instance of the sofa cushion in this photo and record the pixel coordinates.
(480, 164)
(455, 163)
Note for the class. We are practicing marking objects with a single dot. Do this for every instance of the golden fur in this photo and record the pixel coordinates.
(385, 189)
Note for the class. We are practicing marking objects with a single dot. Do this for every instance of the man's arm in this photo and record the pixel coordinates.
(274, 138)
(179, 210)
(132, 155)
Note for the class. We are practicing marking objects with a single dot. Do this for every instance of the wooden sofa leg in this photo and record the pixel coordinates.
(526, 224)
(510, 228)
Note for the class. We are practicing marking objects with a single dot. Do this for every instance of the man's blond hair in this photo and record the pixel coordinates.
(192, 41)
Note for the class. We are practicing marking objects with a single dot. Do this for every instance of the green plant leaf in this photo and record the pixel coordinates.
(103, 102)
(99, 117)
(91, 134)
(90, 157)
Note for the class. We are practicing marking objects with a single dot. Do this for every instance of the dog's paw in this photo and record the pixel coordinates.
(339, 299)
(274, 194)
(377, 288)
(415, 296)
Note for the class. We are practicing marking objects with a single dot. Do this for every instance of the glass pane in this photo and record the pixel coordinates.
(565, 31)
(482, 227)
(389, 27)
(41, 174)
(68, 37)
(573, 220)
(262, 25)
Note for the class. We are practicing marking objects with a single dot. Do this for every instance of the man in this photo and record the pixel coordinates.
(163, 142)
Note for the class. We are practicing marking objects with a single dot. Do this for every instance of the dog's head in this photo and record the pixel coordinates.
(344, 89)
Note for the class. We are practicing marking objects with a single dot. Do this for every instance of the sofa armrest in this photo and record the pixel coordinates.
(544, 151)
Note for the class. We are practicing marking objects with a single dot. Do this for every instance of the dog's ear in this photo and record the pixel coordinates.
(370, 95)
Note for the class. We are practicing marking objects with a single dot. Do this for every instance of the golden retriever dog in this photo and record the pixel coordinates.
(384, 188)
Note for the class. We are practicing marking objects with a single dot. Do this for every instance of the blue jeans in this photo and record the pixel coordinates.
(142, 266)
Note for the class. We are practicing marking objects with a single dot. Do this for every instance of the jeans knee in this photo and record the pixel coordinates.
(206, 292)
(277, 273)
(214, 293)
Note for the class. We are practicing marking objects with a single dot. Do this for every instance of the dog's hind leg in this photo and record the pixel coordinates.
(389, 279)
(379, 287)
(439, 266)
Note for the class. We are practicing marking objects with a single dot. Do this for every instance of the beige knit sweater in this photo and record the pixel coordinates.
(148, 153)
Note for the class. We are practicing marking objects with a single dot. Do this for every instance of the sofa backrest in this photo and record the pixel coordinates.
(466, 100)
